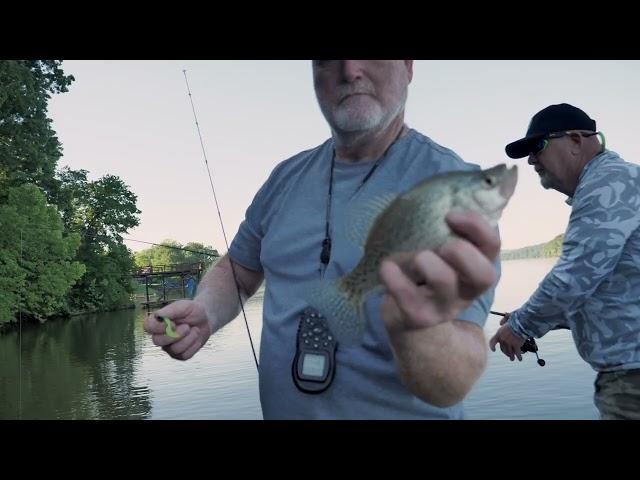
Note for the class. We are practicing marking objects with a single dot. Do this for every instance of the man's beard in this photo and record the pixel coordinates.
(358, 110)
(367, 115)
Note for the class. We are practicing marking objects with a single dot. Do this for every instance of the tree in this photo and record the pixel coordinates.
(93, 214)
(170, 252)
(99, 212)
(207, 257)
(37, 269)
(29, 148)
(553, 248)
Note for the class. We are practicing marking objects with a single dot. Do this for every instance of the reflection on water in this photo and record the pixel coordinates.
(76, 369)
(105, 367)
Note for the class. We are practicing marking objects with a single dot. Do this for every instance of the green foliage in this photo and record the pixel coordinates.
(99, 212)
(157, 255)
(551, 249)
(37, 267)
(60, 234)
(29, 149)
(161, 255)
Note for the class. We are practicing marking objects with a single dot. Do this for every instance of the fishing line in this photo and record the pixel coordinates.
(233, 271)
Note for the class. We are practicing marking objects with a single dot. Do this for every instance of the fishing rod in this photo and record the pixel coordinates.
(215, 198)
(529, 344)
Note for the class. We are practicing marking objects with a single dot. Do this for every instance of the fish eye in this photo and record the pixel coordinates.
(489, 181)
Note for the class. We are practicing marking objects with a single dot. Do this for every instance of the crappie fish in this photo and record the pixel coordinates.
(409, 222)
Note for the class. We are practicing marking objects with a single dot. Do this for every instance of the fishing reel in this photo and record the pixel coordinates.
(531, 346)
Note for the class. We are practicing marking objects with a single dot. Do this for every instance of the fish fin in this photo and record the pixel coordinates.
(360, 218)
(345, 316)
(377, 290)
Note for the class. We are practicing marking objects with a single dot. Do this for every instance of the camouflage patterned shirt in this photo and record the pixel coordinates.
(594, 288)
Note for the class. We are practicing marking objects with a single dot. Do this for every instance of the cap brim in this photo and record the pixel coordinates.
(523, 147)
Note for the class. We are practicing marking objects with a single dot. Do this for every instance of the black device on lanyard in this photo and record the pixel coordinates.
(314, 365)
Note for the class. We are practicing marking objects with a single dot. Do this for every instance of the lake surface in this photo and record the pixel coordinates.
(105, 367)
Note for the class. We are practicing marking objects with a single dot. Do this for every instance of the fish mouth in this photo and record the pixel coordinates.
(508, 184)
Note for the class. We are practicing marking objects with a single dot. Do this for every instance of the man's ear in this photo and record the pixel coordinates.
(577, 141)
(409, 66)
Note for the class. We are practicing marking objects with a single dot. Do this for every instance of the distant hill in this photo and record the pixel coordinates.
(542, 250)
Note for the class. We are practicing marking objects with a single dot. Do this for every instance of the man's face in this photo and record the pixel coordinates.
(553, 164)
(361, 95)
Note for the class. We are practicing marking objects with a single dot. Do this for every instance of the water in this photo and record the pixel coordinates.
(105, 367)
(562, 389)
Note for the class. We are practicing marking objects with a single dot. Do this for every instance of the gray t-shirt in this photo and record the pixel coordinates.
(282, 236)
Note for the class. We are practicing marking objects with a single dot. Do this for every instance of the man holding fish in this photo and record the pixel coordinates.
(388, 236)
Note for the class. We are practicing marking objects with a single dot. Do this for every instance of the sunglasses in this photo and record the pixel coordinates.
(541, 144)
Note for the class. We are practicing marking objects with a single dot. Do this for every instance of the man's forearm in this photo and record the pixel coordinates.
(218, 291)
(440, 364)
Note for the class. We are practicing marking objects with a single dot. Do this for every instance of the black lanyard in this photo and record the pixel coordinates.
(325, 254)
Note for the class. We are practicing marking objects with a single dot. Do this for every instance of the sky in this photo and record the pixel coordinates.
(133, 119)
